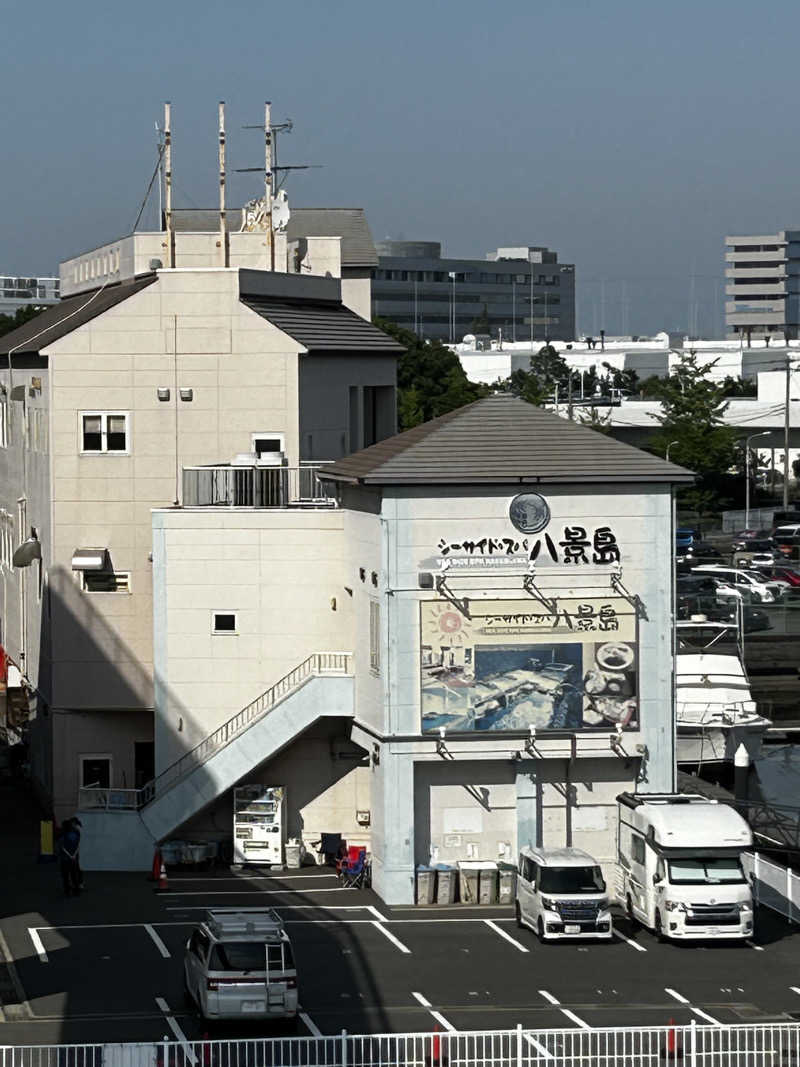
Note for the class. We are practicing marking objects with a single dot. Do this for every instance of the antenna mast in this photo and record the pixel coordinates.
(168, 186)
(223, 229)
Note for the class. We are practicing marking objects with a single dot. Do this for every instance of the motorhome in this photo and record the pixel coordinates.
(680, 870)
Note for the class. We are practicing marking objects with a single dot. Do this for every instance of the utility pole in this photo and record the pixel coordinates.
(570, 412)
(531, 307)
(268, 184)
(786, 427)
(170, 235)
(223, 229)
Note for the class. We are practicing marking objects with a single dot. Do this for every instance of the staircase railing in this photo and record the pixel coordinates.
(317, 664)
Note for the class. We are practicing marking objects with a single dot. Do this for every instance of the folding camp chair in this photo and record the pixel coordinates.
(353, 871)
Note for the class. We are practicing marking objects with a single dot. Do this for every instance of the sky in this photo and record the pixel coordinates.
(629, 136)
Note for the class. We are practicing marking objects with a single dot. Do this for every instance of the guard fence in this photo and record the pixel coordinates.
(754, 1045)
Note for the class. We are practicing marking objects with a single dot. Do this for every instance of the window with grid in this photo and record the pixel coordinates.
(105, 431)
(374, 636)
(107, 581)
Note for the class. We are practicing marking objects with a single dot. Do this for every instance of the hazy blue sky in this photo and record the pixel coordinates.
(630, 136)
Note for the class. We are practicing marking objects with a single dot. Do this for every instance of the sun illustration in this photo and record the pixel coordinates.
(446, 623)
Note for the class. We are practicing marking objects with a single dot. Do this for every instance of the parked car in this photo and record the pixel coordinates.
(708, 609)
(778, 573)
(239, 964)
(685, 536)
(717, 589)
(561, 893)
(760, 588)
(697, 550)
(761, 542)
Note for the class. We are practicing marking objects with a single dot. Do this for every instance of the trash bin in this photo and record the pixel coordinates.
(445, 884)
(507, 892)
(426, 885)
(488, 883)
(292, 852)
(194, 852)
(172, 852)
(468, 881)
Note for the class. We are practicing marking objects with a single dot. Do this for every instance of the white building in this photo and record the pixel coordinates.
(464, 647)
(16, 292)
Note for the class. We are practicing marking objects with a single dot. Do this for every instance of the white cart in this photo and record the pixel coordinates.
(258, 824)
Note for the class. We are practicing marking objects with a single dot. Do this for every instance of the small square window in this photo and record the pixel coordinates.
(223, 622)
(103, 431)
(106, 581)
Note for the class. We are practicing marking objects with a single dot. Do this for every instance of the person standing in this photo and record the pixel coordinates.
(69, 845)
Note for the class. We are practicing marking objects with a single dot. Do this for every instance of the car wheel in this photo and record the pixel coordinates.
(540, 931)
(659, 927)
(518, 915)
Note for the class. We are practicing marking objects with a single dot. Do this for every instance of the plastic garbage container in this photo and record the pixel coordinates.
(171, 852)
(195, 852)
(469, 872)
(292, 851)
(445, 884)
(488, 883)
(507, 890)
(426, 885)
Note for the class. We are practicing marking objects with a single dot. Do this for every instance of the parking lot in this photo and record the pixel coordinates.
(108, 966)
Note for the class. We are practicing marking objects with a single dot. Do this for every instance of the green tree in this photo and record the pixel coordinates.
(20, 316)
(739, 387)
(694, 430)
(430, 378)
(594, 420)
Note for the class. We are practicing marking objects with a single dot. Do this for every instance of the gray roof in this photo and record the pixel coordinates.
(323, 326)
(67, 315)
(502, 439)
(349, 223)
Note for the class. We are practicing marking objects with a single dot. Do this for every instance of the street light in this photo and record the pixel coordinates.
(669, 446)
(763, 433)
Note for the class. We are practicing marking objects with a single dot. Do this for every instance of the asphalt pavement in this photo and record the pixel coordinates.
(108, 966)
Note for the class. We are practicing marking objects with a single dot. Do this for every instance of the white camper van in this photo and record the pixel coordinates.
(680, 867)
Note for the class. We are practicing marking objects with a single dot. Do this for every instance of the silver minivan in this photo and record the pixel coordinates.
(561, 893)
(239, 964)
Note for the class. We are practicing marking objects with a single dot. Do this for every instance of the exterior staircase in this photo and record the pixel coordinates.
(122, 826)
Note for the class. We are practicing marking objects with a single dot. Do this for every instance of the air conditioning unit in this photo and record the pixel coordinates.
(245, 459)
(270, 459)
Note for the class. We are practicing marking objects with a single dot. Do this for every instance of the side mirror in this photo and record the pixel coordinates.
(656, 879)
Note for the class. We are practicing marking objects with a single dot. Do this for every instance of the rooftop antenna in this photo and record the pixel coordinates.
(160, 149)
(223, 229)
(268, 183)
(168, 185)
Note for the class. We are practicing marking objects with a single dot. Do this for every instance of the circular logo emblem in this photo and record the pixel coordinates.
(529, 512)
(450, 622)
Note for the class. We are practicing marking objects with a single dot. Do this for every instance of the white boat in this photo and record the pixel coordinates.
(715, 710)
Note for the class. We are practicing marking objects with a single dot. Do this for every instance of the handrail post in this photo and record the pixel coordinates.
(344, 1048)
(519, 1044)
(693, 1043)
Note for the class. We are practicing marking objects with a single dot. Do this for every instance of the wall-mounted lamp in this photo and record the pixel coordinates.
(374, 578)
(425, 580)
(530, 743)
(362, 574)
(163, 393)
(186, 394)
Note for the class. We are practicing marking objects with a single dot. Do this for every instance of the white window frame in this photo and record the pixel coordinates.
(6, 539)
(103, 450)
(374, 635)
(106, 592)
(224, 633)
(268, 433)
(85, 756)
(4, 412)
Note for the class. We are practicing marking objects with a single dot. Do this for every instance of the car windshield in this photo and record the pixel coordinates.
(248, 956)
(571, 880)
(718, 870)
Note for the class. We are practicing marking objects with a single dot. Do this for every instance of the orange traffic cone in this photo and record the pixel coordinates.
(155, 872)
(163, 884)
(674, 1050)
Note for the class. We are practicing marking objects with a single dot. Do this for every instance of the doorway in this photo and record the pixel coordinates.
(144, 762)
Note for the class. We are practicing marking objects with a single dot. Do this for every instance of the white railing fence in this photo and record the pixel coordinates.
(774, 886)
(257, 487)
(691, 1046)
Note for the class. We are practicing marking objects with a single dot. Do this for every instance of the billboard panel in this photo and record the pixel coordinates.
(516, 664)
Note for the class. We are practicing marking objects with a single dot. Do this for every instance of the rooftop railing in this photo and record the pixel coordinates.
(231, 486)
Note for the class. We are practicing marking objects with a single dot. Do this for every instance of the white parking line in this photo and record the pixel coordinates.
(374, 911)
(539, 1048)
(507, 937)
(313, 1029)
(633, 944)
(173, 1025)
(795, 989)
(33, 933)
(697, 1011)
(252, 878)
(162, 948)
(390, 937)
(564, 1011)
(257, 892)
(437, 1015)
(752, 944)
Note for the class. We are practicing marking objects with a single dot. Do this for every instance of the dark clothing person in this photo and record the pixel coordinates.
(68, 857)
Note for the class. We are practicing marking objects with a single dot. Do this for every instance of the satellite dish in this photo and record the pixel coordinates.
(280, 211)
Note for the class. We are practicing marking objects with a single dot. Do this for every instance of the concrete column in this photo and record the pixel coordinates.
(393, 827)
(527, 804)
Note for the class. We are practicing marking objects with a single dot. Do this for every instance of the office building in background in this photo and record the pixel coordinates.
(18, 292)
(521, 292)
(762, 286)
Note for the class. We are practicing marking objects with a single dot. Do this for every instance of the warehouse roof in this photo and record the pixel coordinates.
(502, 439)
(67, 315)
(323, 326)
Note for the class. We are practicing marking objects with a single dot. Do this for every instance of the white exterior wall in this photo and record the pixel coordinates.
(412, 777)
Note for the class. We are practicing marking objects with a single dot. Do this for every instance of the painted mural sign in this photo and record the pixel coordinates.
(517, 664)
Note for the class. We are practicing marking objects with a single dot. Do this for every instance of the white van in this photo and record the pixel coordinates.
(239, 964)
(680, 866)
(561, 893)
(762, 590)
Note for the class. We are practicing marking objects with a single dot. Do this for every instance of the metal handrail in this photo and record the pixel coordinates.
(244, 486)
(318, 663)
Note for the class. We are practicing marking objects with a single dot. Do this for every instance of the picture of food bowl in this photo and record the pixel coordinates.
(614, 656)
